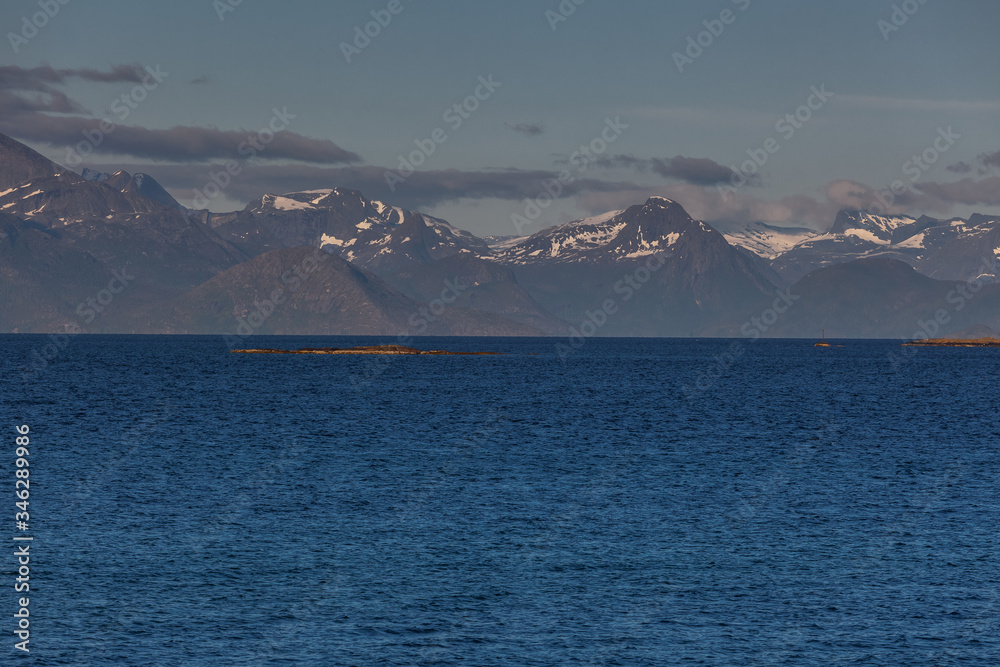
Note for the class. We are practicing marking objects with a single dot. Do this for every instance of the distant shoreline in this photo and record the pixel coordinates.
(954, 342)
(366, 349)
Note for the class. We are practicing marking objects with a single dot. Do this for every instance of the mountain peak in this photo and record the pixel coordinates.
(20, 164)
(655, 227)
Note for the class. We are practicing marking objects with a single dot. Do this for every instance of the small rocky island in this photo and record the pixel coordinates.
(955, 342)
(364, 349)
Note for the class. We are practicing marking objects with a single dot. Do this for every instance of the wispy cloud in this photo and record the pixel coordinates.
(990, 159)
(982, 165)
(706, 203)
(960, 167)
(693, 170)
(175, 144)
(29, 100)
(13, 77)
(696, 171)
(425, 190)
(422, 189)
(914, 104)
(527, 129)
(967, 191)
(706, 116)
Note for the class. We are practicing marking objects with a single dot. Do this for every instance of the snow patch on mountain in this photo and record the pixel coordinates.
(866, 235)
(769, 241)
(916, 241)
(647, 248)
(328, 239)
(502, 243)
(387, 211)
(283, 203)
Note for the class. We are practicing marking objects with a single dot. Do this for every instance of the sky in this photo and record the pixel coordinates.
(741, 110)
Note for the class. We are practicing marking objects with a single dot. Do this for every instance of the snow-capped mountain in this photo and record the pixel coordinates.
(944, 249)
(658, 227)
(342, 221)
(139, 183)
(880, 229)
(568, 242)
(95, 254)
(414, 237)
(647, 270)
(665, 273)
(64, 198)
(959, 249)
(414, 252)
(63, 238)
(33, 187)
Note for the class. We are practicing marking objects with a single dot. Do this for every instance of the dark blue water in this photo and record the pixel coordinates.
(638, 502)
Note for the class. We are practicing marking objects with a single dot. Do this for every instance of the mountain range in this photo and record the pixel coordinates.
(115, 252)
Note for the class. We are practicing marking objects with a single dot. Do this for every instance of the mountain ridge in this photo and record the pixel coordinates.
(649, 269)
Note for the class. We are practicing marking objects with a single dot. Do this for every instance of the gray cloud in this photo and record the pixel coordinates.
(990, 159)
(31, 90)
(696, 171)
(28, 98)
(960, 167)
(36, 78)
(968, 191)
(176, 144)
(421, 190)
(622, 162)
(706, 203)
(424, 190)
(527, 129)
(982, 164)
(619, 161)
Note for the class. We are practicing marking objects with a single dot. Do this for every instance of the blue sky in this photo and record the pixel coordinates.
(893, 92)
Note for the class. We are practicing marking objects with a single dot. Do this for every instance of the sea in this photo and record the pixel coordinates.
(605, 502)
